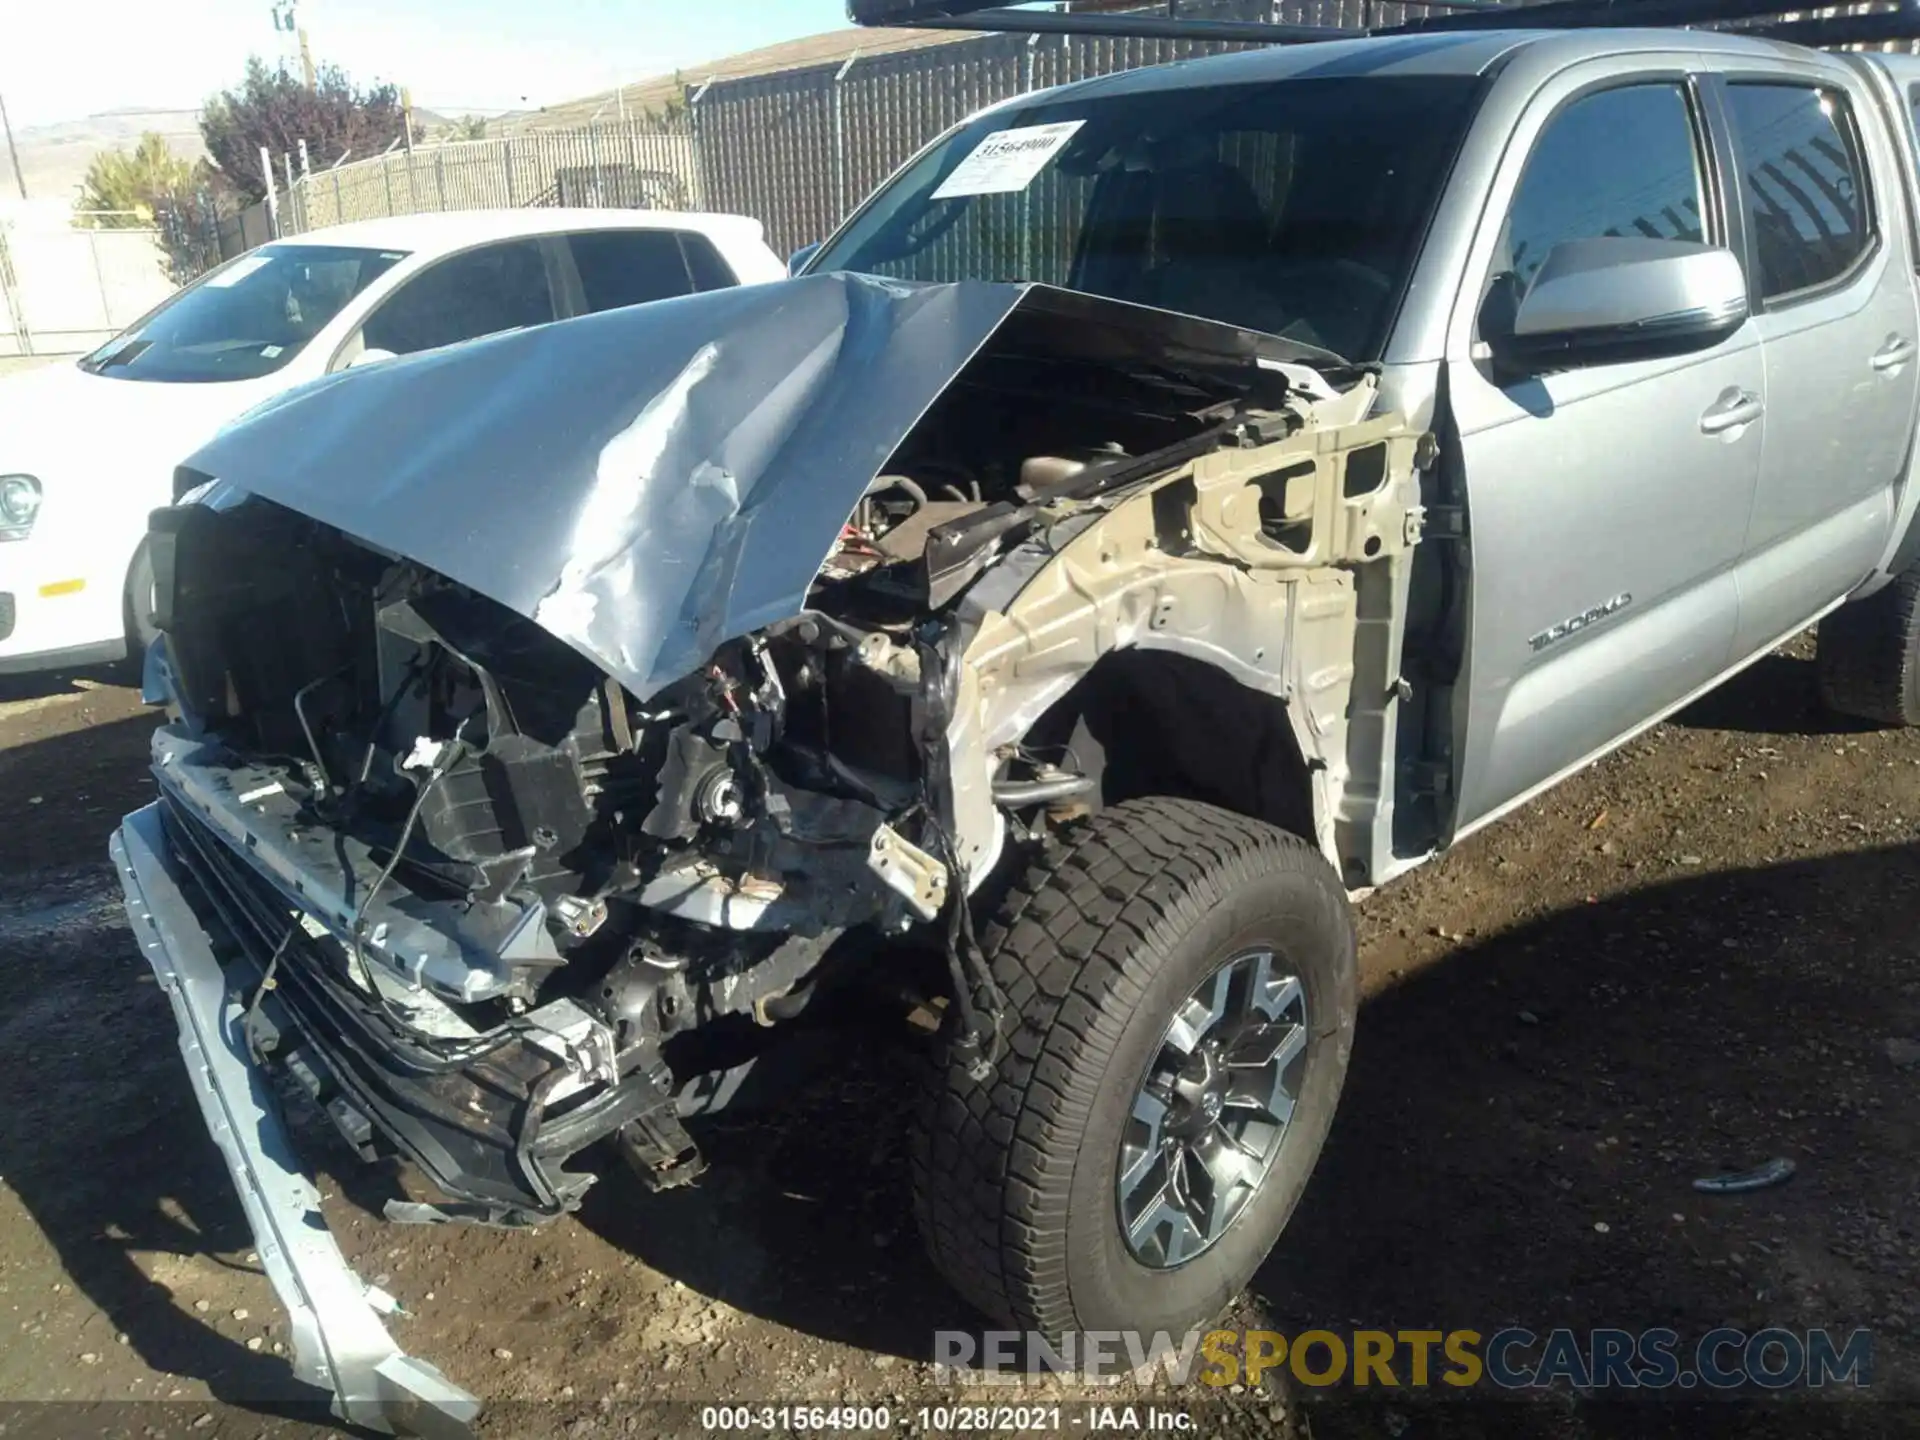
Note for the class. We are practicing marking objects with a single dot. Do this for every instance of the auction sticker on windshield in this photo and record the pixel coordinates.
(1007, 160)
(238, 271)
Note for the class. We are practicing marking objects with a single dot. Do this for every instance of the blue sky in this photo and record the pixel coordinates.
(63, 59)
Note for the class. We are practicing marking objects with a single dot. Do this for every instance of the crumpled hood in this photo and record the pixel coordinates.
(643, 483)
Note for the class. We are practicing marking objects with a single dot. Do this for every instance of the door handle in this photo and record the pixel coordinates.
(1734, 408)
(1894, 352)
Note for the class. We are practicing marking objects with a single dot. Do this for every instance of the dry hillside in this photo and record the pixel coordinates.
(55, 157)
(653, 94)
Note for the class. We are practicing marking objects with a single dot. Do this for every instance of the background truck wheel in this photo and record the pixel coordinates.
(1182, 988)
(139, 608)
(1869, 654)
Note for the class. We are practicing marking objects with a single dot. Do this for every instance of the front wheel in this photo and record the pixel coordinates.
(1183, 988)
(140, 603)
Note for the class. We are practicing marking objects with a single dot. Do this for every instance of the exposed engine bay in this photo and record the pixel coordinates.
(506, 901)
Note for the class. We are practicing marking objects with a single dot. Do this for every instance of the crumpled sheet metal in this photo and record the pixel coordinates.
(650, 482)
(644, 483)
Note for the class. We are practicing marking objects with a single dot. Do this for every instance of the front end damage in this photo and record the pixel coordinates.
(556, 718)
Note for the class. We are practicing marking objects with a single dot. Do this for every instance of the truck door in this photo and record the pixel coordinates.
(1607, 502)
(1833, 298)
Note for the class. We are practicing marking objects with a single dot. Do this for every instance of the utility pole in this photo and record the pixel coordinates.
(19, 175)
(286, 20)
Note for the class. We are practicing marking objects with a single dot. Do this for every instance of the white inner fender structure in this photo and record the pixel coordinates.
(1248, 560)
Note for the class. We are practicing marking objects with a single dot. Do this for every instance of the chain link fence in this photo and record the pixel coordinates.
(638, 166)
(66, 288)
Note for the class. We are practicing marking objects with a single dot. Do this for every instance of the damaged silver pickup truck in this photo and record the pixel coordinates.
(1173, 505)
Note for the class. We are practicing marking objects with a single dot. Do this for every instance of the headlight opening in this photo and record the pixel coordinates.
(19, 506)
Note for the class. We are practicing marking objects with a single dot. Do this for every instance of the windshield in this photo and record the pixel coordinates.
(1296, 207)
(246, 319)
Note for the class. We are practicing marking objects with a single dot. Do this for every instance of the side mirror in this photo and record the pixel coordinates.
(373, 354)
(1622, 298)
(797, 261)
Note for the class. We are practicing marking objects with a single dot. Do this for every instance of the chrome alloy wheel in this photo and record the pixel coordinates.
(1212, 1109)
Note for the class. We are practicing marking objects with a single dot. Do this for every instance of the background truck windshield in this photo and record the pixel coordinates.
(1295, 207)
(246, 319)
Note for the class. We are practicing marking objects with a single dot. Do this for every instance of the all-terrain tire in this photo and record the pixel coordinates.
(1095, 948)
(1869, 654)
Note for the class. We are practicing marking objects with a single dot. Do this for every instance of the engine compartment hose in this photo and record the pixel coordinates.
(899, 482)
(1014, 794)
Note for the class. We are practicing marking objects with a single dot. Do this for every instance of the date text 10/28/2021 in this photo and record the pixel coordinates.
(1723, 1360)
(945, 1419)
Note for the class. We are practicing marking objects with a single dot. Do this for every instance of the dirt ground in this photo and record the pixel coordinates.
(1702, 954)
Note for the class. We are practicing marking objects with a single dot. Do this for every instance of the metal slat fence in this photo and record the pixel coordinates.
(798, 149)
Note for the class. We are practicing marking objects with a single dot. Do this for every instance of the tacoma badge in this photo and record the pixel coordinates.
(1580, 622)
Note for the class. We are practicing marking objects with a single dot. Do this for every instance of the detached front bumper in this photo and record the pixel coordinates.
(339, 1342)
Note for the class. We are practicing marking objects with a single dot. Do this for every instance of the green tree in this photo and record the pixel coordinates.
(133, 186)
(272, 108)
(151, 186)
(467, 127)
(674, 108)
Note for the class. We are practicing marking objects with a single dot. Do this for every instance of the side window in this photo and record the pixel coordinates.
(710, 272)
(629, 267)
(1624, 161)
(496, 287)
(1805, 184)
